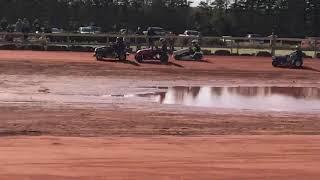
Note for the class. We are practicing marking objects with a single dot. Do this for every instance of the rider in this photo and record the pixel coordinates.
(195, 47)
(297, 54)
(119, 45)
(164, 46)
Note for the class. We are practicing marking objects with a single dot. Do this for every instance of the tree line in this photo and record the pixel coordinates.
(287, 18)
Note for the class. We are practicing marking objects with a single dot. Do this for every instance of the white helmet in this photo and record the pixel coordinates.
(194, 41)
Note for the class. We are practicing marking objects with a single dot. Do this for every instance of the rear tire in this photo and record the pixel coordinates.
(138, 58)
(177, 57)
(274, 63)
(164, 59)
(122, 57)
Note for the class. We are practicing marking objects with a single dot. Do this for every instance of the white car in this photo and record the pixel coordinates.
(89, 30)
(190, 33)
(56, 30)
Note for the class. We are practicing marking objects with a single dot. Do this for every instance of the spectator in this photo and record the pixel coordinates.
(171, 41)
(9, 37)
(18, 27)
(36, 25)
(25, 28)
(139, 31)
(139, 41)
(124, 33)
(4, 24)
(185, 42)
(10, 28)
(150, 33)
(47, 28)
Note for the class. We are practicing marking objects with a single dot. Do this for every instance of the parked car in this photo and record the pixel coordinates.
(89, 30)
(56, 30)
(253, 36)
(190, 33)
(158, 31)
(225, 40)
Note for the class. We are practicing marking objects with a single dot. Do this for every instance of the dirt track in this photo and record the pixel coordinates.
(218, 157)
(59, 94)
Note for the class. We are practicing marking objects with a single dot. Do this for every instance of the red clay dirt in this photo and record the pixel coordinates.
(64, 95)
(216, 157)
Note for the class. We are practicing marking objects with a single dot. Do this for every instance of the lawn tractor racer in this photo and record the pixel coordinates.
(151, 54)
(114, 50)
(187, 54)
(294, 60)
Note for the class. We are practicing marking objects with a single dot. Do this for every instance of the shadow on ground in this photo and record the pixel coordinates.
(310, 69)
(158, 62)
(123, 62)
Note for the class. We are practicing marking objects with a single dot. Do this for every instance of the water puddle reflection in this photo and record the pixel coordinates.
(250, 98)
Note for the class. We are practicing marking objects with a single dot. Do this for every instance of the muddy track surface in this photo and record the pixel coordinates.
(91, 109)
(66, 94)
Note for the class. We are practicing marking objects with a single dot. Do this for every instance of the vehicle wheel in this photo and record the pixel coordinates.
(177, 57)
(99, 57)
(274, 63)
(138, 58)
(298, 64)
(164, 59)
(122, 57)
(198, 57)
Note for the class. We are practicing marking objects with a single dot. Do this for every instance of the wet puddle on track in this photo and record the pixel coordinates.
(293, 99)
(297, 99)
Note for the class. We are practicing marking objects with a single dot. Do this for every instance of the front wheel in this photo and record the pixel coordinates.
(298, 64)
(99, 57)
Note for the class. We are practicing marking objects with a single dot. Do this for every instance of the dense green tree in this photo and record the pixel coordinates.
(291, 18)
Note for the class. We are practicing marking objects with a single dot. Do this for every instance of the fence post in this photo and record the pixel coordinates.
(44, 41)
(148, 42)
(108, 39)
(273, 44)
(315, 47)
(136, 43)
(231, 47)
(68, 41)
(238, 47)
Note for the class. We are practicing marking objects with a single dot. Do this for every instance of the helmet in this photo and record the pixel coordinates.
(194, 41)
(119, 39)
